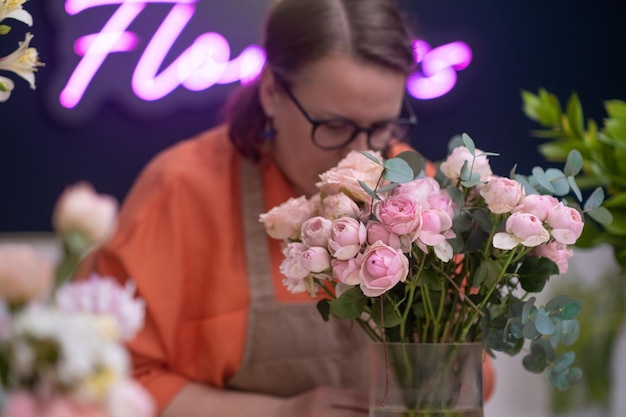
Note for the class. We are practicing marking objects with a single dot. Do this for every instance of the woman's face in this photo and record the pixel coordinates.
(335, 87)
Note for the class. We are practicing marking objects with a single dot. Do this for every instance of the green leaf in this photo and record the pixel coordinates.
(486, 274)
(601, 215)
(3, 87)
(469, 144)
(555, 305)
(350, 305)
(574, 163)
(570, 310)
(529, 307)
(398, 170)
(574, 186)
(564, 361)
(615, 108)
(616, 200)
(595, 199)
(535, 272)
(558, 180)
(323, 307)
(388, 187)
(539, 356)
(528, 187)
(575, 116)
(391, 318)
(618, 225)
(4, 29)
(543, 323)
(574, 375)
(456, 195)
(570, 331)
(414, 159)
(540, 176)
(369, 191)
(372, 157)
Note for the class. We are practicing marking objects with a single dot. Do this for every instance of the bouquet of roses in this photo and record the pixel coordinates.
(454, 258)
(61, 343)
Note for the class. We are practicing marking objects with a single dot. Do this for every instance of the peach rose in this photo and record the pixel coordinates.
(23, 275)
(80, 209)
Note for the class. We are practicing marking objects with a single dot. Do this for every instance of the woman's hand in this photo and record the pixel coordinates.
(325, 402)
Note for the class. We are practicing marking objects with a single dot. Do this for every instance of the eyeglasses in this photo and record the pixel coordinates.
(336, 133)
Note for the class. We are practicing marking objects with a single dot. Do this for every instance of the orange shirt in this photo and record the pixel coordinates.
(179, 239)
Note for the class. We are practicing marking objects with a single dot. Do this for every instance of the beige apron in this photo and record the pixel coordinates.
(289, 348)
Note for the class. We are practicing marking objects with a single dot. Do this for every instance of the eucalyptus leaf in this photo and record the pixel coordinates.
(398, 170)
(570, 331)
(559, 181)
(529, 307)
(595, 199)
(543, 323)
(469, 144)
(564, 361)
(555, 305)
(537, 360)
(372, 157)
(570, 310)
(574, 163)
(602, 215)
(540, 176)
(528, 187)
(415, 161)
(369, 191)
(575, 188)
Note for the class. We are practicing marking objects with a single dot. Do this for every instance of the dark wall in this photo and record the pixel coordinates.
(564, 46)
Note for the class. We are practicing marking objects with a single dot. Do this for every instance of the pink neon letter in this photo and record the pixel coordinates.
(439, 68)
(104, 43)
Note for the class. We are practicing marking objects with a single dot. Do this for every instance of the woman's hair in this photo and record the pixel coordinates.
(300, 32)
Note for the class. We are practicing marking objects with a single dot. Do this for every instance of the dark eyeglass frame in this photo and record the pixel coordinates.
(315, 123)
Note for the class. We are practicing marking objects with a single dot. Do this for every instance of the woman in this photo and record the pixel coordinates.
(223, 337)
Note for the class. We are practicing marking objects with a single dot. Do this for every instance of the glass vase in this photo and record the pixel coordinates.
(426, 380)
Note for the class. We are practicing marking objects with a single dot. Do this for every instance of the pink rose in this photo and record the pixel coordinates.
(23, 275)
(537, 204)
(292, 267)
(434, 224)
(316, 231)
(382, 268)
(378, 231)
(285, 220)
(521, 228)
(566, 222)
(557, 252)
(443, 202)
(420, 189)
(400, 213)
(347, 271)
(339, 205)
(80, 209)
(346, 175)
(502, 194)
(316, 259)
(451, 167)
(346, 238)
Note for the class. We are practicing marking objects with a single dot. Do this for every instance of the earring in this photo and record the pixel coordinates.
(268, 133)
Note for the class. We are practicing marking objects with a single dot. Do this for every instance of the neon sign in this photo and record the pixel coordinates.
(207, 61)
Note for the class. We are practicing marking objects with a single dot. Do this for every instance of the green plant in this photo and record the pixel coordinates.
(603, 148)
